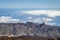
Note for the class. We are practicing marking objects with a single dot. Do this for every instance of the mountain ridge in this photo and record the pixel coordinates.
(29, 29)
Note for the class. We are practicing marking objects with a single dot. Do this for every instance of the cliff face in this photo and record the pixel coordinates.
(29, 28)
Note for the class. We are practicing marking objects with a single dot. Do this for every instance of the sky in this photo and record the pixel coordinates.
(38, 11)
(29, 3)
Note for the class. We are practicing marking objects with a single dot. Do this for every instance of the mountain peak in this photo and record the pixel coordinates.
(42, 24)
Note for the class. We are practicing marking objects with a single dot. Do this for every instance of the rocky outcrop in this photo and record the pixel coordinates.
(29, 29)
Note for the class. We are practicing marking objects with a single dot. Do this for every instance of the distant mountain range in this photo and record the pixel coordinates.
(29, 29)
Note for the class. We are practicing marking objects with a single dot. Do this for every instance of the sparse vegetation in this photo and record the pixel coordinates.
(25, 38)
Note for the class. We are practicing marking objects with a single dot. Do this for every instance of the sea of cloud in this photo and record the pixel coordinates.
(51, 15)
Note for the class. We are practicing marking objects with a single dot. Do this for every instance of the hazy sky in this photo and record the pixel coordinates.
(29, 3)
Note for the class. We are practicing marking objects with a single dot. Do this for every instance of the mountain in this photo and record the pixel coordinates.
(29, 29)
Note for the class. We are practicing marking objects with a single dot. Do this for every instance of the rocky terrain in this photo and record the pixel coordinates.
(29, 29)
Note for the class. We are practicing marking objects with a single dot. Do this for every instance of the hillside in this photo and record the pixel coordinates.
(29, 29)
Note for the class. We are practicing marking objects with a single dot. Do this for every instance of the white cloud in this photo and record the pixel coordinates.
(50, 13)
(48, 21)
(29, 18)
(6, 19)
(52, 23)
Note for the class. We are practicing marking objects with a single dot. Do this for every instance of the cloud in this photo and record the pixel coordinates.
(48, 21)
(29, 18)
(50, 13)
(6, 19)
(51, 23)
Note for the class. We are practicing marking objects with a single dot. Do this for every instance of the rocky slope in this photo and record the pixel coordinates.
(29, 29)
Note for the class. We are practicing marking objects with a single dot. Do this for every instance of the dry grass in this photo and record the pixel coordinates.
(25, 38)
